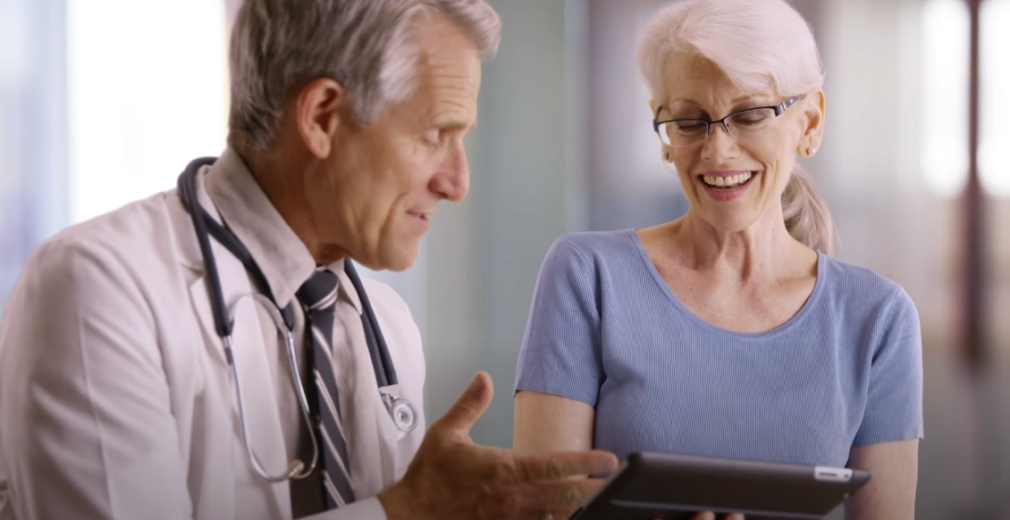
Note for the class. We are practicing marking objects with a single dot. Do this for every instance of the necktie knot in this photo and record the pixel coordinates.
(319, 292)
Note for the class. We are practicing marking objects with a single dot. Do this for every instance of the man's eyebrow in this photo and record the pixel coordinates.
(453, 124)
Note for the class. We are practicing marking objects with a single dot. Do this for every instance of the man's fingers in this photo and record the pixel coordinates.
(469, 406)
(554, 466)
(563, 495)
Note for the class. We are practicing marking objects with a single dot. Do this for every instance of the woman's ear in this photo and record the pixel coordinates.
(319, 110)
(667, 153)
(813, 124)
(664, 150)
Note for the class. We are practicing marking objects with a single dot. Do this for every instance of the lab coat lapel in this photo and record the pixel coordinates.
(259, 399)
(251, 359)
(373, 436)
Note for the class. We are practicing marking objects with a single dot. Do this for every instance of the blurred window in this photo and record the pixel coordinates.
(147, 93)
(994, 137)
(946, 29)
(32, 126)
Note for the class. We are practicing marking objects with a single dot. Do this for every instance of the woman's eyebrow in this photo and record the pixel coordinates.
(676, 108)
(740, 103)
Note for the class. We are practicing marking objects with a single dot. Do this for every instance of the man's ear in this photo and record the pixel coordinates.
(320, 112)
(813, 124)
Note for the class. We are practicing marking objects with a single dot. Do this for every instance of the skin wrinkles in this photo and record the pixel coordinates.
(698, 83)
(453, 108)
(733, 263)
(359, 191)
(442, 89)
(742, 103)
(356, 191)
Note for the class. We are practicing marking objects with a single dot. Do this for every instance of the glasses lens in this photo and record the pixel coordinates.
(751, 122)
(683, 133)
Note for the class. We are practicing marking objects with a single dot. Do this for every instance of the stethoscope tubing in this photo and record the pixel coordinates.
(385, 372)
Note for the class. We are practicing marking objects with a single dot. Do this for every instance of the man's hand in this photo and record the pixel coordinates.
(452, 478)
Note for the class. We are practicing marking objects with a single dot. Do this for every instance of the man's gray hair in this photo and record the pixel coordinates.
(278, 46)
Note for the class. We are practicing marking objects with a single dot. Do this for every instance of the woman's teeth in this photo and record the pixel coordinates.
(732, 181)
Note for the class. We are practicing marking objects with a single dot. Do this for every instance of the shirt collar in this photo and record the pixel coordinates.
(247, 211)
(346, 287)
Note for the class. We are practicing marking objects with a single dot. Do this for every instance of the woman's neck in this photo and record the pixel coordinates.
(763, 251)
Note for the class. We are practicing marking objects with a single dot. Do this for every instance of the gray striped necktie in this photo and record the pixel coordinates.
(319, 299)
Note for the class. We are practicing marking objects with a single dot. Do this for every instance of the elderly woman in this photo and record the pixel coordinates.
(729, 332)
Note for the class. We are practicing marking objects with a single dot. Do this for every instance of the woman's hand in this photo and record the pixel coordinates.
(708, 515)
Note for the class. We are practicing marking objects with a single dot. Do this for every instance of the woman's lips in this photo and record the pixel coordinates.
(726, 186)
(726, 181)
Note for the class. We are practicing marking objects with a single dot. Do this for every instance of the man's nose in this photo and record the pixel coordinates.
(452, 182)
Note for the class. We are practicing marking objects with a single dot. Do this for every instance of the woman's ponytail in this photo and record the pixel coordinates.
(806, 213)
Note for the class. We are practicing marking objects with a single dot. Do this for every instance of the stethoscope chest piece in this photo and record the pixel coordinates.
(404, 415)
(402, 411)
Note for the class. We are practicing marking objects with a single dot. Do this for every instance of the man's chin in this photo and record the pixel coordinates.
(399, 259)
(401, 265)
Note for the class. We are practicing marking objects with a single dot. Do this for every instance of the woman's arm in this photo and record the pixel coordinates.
(547, 423)
(890, 493)
(561, 356)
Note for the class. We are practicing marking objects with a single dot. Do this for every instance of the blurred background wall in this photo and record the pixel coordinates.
(104, 101)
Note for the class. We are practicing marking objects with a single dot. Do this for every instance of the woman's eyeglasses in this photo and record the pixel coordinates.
(742, 125)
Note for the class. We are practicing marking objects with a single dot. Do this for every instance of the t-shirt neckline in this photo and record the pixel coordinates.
(793, 322)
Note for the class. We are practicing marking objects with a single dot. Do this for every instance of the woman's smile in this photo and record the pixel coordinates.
(727, 185)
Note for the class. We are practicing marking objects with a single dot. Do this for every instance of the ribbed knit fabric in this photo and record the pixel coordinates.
(605, 329)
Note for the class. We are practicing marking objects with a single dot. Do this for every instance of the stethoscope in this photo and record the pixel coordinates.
(401, 410)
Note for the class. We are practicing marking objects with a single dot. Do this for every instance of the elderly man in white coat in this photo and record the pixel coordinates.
(120, 399)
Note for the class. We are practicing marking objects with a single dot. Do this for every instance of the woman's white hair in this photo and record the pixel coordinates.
(278, 46)
(761, 46)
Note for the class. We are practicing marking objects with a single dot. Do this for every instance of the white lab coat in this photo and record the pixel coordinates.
(116, 400)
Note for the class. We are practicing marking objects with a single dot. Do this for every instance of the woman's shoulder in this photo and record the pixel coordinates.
(595, 253)
(597, 244)
(865, 288)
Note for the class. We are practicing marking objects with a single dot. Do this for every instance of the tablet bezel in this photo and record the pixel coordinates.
(652, 485)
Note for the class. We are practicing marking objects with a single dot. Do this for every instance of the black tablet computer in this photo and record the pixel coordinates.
(664, 486)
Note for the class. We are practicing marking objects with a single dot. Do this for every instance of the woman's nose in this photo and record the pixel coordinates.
(720, 145)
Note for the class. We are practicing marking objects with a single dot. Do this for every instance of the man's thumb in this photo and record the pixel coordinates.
(469, 406)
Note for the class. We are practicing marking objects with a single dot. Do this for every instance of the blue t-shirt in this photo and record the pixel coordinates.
(605, 329)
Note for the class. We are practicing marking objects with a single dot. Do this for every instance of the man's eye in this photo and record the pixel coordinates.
(431, 137)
